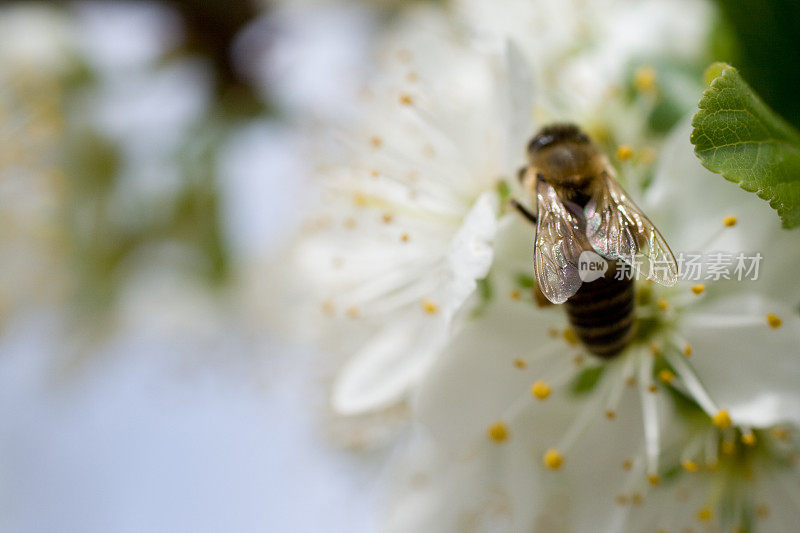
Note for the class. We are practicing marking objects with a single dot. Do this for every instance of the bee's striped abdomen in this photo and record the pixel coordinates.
(602, 314)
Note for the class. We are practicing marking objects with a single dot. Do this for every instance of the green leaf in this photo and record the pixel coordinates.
(737, 135)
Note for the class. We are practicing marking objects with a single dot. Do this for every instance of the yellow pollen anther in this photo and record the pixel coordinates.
(644, 79)
(498, 432)
(360, 200)
(627, 464)
(749, 438)
(698, 289)
(653, 479)
(611, 415)
(429, 306)
(352, 312)
(630, 381)
(577, 360)
(404, 237)
(374, 173)
(762, 511)
(687, 350)
(690, 466)
(662, 304)
(387, 218)
(376, 142)
(328, 308)
(728, 447)
(553, 459)
(520, 363)
(654, 348)
(406, 99)
(705, 514)
(516, 294)
(652, 388)
(722, 419)
(666, 376)
(624, 152)
(570, 336)
(621, 499)
(774, 321)
(730, 221)
(405, 55)
(636, 498)
(540, 389)
(647, 155)
(780, 433)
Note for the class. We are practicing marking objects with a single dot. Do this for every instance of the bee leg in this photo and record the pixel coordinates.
(523, 211)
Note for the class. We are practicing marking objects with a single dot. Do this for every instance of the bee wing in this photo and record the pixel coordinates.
(617, 229)
(559, 243)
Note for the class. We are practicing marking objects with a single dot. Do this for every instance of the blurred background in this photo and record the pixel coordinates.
(153, 158)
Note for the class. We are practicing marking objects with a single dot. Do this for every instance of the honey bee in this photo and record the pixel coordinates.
(580, 208)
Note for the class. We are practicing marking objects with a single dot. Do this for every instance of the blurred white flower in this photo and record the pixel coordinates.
(37, 46)
(576, 47)
(36, 38)
(311, 59)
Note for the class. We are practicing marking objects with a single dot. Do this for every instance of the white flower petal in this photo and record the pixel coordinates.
(471, 250)
(748, 367)
(474, 380)
(383, 371)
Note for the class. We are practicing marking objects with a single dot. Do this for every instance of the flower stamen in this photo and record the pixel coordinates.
(498, 432)
(644, 79)
(705, 514)
(774, 321)
(540, 390)
(698, 289)
(689, 465)
(624, 152)
(553, 459)
(429, 306)
(722, 419)
(690, 381)
(650, 417)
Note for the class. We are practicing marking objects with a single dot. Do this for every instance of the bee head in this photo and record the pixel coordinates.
(556, 134)
(564, 156)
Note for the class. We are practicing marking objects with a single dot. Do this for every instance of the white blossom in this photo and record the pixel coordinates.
(609, 452)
